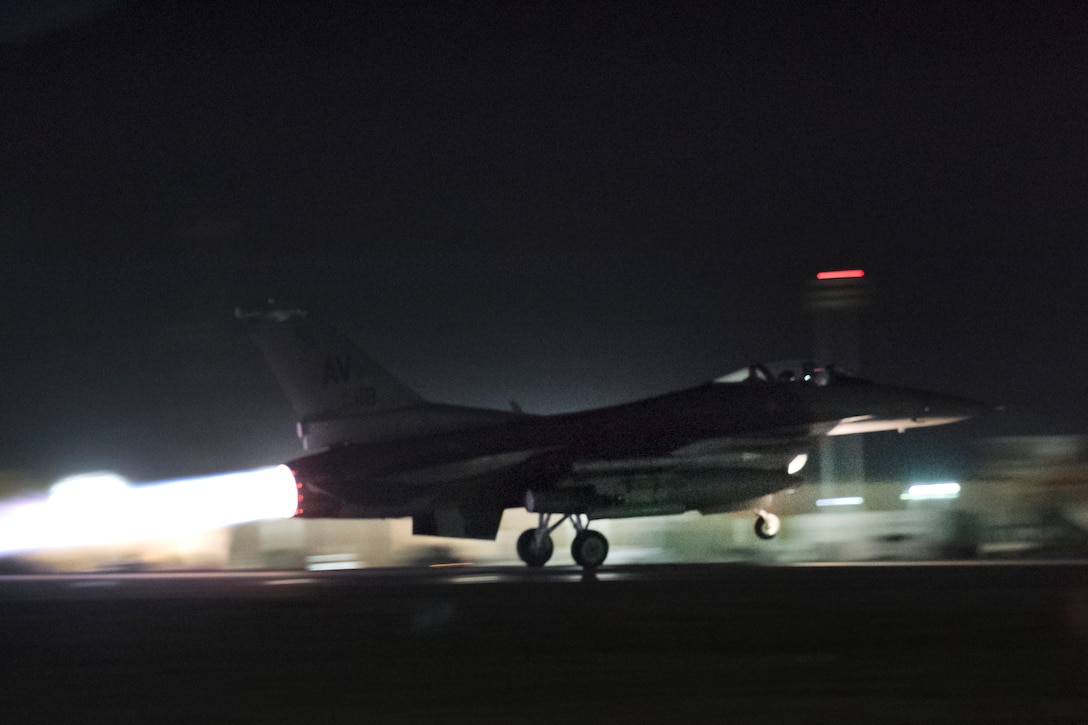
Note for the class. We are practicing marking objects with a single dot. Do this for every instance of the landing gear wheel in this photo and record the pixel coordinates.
(589, 548)
(767, 526)
(535, 551)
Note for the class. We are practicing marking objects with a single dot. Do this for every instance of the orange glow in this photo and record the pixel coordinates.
(841, 274)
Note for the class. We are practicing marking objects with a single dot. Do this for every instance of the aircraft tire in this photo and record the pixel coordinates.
(767, 526)
(589, 548)
(532, 554)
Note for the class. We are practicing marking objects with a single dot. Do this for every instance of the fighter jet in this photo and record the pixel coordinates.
(378, 450)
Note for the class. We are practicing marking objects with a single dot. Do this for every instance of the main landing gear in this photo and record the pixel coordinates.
(589, 548)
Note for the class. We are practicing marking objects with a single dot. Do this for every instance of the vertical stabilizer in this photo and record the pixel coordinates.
(324, 373)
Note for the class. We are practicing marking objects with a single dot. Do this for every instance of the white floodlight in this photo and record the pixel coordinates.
(932, 491)
(841, 501)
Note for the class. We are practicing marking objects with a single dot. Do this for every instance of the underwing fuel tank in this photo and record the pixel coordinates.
(660, 494)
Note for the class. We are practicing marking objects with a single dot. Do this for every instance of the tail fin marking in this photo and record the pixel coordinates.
(324, 373)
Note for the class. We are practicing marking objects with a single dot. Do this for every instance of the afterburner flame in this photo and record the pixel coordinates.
(87, 511)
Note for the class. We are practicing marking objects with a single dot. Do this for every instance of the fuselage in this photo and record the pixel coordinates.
(537, 452)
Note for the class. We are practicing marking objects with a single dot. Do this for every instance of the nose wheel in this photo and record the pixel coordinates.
(589, 548)
(767, 525)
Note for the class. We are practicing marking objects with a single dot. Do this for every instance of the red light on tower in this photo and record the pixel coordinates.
(841, 274)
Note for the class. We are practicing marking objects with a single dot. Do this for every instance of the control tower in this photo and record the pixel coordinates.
(836, 300)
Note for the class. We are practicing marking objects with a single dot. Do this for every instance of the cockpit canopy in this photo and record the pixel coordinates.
(805, 372)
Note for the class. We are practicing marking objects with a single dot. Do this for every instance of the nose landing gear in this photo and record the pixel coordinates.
(767, 525)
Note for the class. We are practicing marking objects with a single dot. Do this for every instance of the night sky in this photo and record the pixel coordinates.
(566, 205)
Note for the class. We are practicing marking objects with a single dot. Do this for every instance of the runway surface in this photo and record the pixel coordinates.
(905, 643)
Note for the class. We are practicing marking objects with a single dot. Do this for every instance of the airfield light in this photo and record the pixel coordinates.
(931, 491)
(841, 274)
(840, 501)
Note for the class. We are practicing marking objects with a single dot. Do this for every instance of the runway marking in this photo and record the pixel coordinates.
(476, 578)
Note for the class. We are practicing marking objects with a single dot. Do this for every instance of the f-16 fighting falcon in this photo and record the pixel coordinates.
(377, 450)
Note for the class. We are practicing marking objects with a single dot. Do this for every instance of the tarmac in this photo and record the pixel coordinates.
(910, 643)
